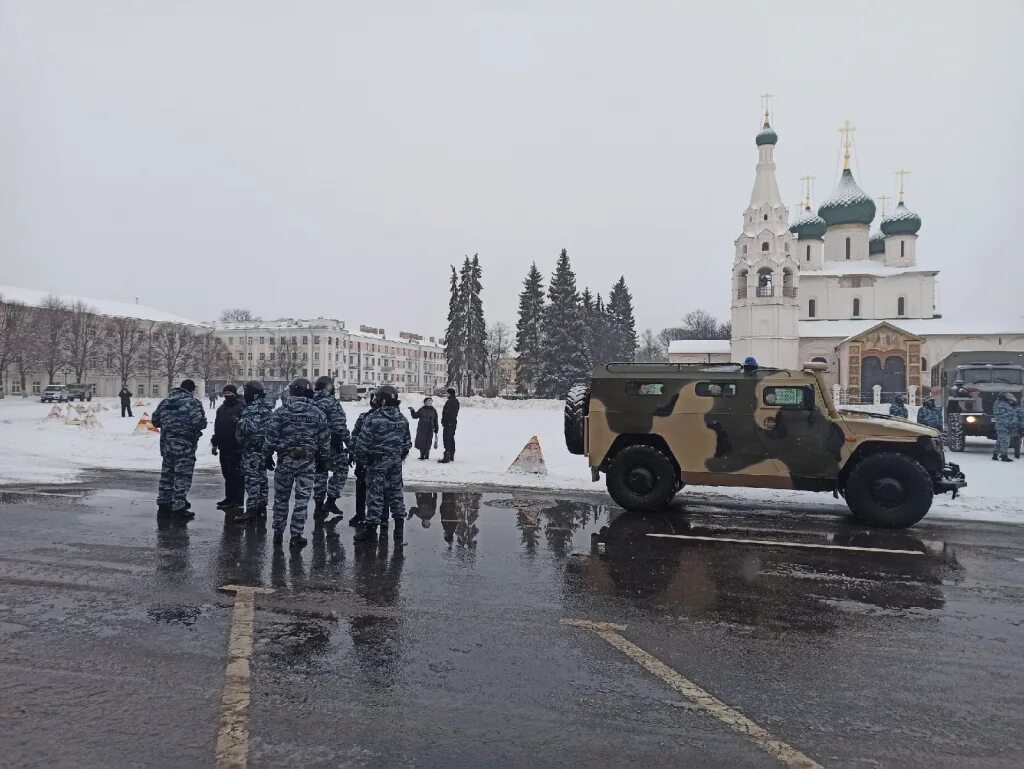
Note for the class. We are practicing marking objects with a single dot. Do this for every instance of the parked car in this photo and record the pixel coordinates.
(53, 393)
(82, 392)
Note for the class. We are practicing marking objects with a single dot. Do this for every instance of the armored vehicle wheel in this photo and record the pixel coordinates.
(642, 479)
(956, 439)
(577, 406)
(889, 490)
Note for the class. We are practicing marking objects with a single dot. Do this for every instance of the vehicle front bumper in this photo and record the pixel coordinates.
(951, 479)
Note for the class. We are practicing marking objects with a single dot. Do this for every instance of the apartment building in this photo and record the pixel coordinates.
(277, 351)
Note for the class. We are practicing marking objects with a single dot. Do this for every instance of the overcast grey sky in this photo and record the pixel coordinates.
(331, 158)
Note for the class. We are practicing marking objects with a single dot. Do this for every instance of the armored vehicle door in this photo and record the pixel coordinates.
(728, 407)
(797, 430)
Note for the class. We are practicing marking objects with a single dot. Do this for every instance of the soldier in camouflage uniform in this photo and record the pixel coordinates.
(1018, 430)
(898, 407)
(930, 415)
(381, 446)
(181, 420)
(250, 431)
(332, 480)
(1005, 416)
(299, 434)
(360, 471)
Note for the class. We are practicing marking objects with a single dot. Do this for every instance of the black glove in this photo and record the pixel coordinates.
(336, 443)
(321, 466)
(269, 464)
(215, 449)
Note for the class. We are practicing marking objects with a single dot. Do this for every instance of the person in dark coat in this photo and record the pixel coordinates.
(226, 445)
(126, 401)
(449, 421)
(426, 427)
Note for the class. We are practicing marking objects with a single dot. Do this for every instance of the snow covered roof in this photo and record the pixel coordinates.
(701, 346)
(106, 307)
(862, 267)
(844, 329)
(280, 323)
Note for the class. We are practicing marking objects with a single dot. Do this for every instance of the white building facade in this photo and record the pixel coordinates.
(276, 352)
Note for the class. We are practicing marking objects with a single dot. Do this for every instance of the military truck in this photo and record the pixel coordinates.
(653, 428)
(967, 386)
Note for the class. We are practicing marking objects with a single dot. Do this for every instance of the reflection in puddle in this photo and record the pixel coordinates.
(764, 585)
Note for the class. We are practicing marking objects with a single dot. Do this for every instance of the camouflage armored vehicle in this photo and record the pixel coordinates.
(654, 428)
(969, 397)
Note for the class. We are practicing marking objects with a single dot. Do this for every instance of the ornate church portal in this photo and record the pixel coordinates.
(884, 355)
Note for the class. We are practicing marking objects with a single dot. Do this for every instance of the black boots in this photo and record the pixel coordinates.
(399, 530)
(318, 508)
(357, 519)
(331, 506)
(444, 460)
(297, 542)
(223, 503)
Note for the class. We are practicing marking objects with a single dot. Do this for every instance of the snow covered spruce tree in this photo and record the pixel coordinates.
(454, 334)
(528, 331)
(465, 339)
(622, 326)
(600, 335)
(564, 360)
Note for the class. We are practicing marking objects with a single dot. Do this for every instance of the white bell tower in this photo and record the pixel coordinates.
(765, 308)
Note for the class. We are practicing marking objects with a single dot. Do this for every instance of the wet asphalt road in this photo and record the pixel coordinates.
(452, 652)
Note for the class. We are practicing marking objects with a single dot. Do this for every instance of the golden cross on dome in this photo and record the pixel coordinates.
(766, 104)
(846, 129)
(902, 176)
(885, 202)
(808, 186)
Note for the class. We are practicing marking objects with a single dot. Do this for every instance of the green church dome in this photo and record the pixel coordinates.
(808, 226)
(876, 243)
(902, 221)
(848, 204)
(766, 135)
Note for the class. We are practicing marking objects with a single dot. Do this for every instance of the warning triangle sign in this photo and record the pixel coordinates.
(530, 459)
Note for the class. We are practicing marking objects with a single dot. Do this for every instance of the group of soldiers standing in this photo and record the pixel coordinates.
(1007, 417)
(306, 442)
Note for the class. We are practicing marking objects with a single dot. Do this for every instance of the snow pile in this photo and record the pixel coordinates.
(491, 434)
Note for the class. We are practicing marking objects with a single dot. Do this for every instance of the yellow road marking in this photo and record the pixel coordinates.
(786, 754)
(233, 737)
(781, 543)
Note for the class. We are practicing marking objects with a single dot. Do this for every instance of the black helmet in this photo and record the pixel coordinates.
(253, 390)
(325, 383)
(387, 396)
(300, 388)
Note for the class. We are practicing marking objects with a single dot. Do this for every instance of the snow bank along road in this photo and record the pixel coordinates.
(491, 433)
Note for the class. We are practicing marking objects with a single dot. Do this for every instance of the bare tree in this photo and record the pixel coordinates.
(498, 347)
(650, 349)
(238, 315)
(698, 324)
(211, 357)
(126, 346)
(82, 339)
(288, 357)
(50, 332)
(174, 349)
(14, 337)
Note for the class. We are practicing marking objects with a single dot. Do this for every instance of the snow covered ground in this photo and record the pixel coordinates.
(491, 433)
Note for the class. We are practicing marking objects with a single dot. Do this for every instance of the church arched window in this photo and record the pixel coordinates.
(808, 252)
(812, 308)
(819, 359)
(744, 248)
(903, 248)
(847, 248)
(787, 246)
(764, 246)
(856, 306)
(901, 306)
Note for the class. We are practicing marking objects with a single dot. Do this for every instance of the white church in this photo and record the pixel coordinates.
(824, 288)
